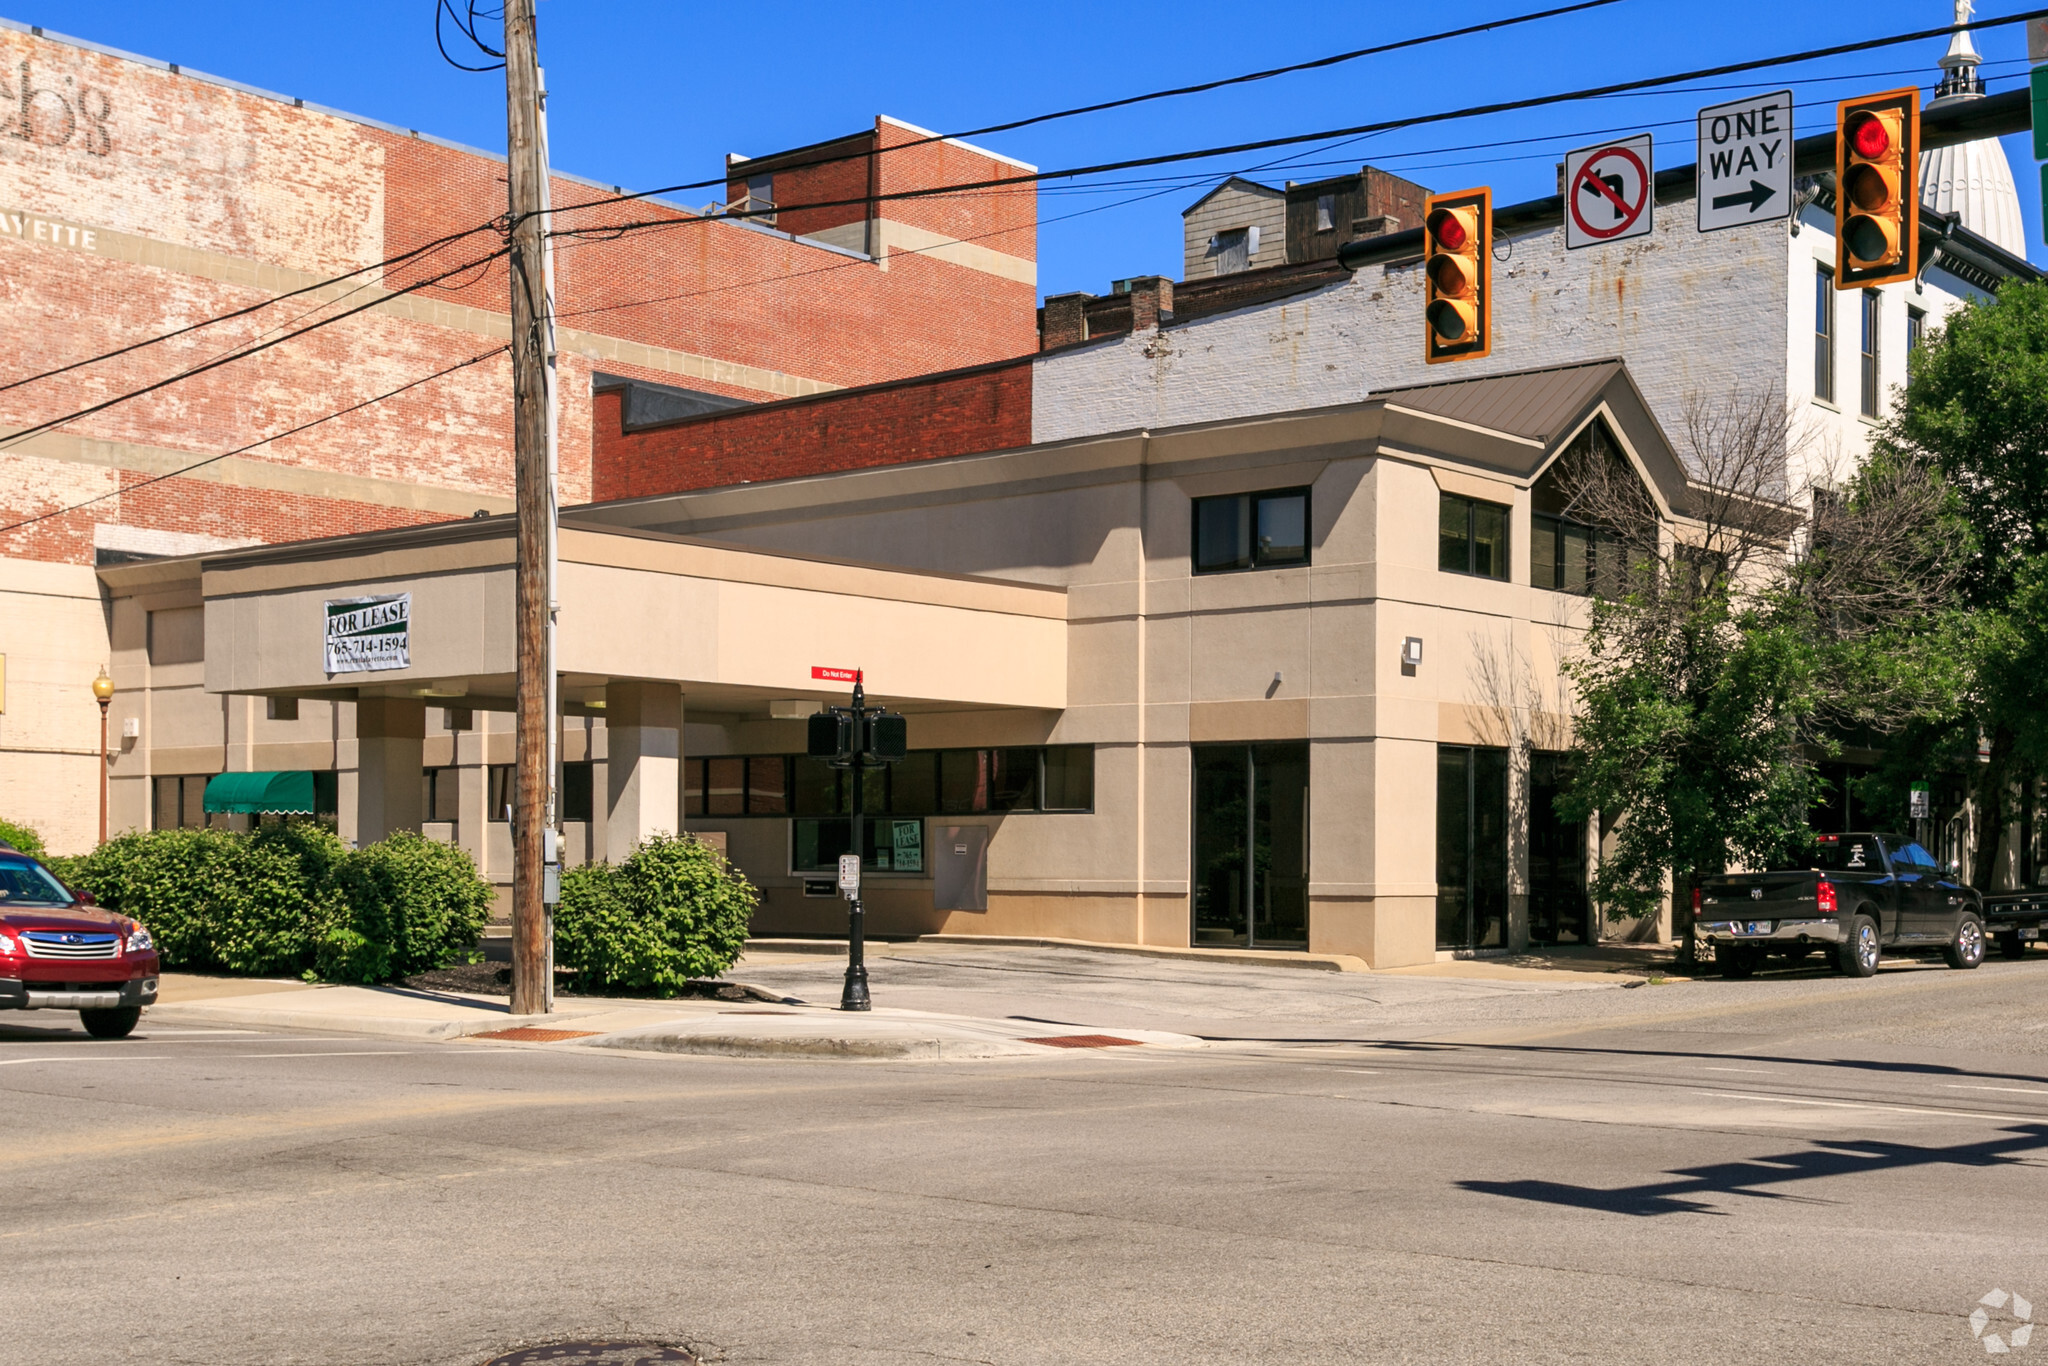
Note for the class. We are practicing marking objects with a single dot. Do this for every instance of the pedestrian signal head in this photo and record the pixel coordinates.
(1877, 150)
(1458, 233)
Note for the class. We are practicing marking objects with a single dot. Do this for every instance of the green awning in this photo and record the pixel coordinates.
(261, 793)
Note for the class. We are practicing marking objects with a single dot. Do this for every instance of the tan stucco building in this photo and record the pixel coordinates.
(1282, 682)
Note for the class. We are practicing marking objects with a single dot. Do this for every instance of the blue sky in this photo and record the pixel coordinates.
(645, 94)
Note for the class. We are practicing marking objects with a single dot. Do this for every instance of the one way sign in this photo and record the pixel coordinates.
(1745, 167)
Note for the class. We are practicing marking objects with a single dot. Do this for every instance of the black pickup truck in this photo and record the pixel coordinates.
(1863, 896)
(2016, 919)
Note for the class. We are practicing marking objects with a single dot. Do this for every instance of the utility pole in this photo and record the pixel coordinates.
(532, 361)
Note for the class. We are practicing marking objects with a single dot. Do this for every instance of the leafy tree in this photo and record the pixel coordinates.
(1975, 410)
(1749, 635)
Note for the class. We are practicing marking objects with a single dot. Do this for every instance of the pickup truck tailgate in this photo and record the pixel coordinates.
(1747, 894)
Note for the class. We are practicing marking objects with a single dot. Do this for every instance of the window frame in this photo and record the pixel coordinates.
(1916, 327)
(1254, 560)
(1824, 333)
(1507, 536)
(1556, 530)
(1870, 359)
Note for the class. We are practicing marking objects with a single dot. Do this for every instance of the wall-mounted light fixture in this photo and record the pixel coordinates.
(1411, 652)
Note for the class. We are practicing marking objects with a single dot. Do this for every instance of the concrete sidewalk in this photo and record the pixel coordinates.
(765, 1026)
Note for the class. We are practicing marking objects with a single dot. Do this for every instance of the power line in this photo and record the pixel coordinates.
(386, 264)
(229, 358)
(465, 24)
(1421, 40)
(1263, 144)
(242, 450)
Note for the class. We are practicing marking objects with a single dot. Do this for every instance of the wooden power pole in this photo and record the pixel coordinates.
(532, 341)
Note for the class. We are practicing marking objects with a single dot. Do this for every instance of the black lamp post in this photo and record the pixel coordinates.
(858, 739)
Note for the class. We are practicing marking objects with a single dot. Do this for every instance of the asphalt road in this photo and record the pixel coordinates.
(1797, 1168)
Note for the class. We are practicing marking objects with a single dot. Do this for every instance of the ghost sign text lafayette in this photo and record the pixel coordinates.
(366, 634)
(1746, 161)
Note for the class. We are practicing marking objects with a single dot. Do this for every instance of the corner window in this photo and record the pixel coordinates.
(1251, 531)
(1472, 537)
(1561, 554)
(1824, 334)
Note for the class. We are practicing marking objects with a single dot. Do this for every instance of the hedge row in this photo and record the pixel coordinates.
(291, 899)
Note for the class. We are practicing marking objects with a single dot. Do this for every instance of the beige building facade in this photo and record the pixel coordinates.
(1287, 682)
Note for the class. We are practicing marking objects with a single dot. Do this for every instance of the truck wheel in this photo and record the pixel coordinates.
(2011, 946)
(116, 1023)
(1966, 949)
(1859, 953)
(1737, 960)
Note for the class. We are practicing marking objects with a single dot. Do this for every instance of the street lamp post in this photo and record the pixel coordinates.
(859, 739)
(103, 693)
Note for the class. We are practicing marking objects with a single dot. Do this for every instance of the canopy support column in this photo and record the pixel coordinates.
(390, 755)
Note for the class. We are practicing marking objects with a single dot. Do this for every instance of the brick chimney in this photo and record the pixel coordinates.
(1151, 302)
(1064, 321)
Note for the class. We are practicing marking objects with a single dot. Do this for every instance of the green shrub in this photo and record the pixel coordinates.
(212, 899)
(290, 897)
(674, 910)
(22, 837)
(401, 906)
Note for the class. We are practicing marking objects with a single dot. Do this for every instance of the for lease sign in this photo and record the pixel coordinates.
(367, 634)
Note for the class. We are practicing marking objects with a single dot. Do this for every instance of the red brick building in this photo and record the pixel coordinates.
(136, 199)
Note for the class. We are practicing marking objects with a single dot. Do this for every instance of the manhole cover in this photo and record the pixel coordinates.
(595, 1354)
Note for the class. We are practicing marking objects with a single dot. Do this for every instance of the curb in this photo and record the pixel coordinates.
(812, 1046)
(1314, 962)
(341, 1022)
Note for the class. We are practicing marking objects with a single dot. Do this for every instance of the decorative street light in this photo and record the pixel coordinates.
(103, 693)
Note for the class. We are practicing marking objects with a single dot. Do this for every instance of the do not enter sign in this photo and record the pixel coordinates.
(1608, 192)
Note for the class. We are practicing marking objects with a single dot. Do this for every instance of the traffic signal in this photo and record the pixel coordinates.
(1458, 230)
(829, 736)
(1877, 163)
(888, 736)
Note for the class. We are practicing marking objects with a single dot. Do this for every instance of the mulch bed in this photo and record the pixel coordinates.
(495, 979)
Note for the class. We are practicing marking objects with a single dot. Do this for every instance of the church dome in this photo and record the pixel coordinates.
(1972, 179)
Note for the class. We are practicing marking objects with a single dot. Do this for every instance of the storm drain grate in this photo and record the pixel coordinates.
(530, 1034)
(1087, 1041)
(596, 1353)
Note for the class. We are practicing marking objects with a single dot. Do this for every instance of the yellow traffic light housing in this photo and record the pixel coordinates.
(1457, 279)
(1877, 162)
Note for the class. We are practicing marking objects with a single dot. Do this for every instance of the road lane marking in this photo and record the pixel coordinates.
(93, 1057)
(368, 1053)
(2010, 1090)
(1865, 1105)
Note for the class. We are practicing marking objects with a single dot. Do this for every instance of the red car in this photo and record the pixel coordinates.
(60, 952)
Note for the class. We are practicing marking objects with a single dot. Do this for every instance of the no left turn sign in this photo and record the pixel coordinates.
(1607, 192)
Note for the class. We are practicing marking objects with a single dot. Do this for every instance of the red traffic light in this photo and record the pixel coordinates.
(1869, 135)
(1448, 228)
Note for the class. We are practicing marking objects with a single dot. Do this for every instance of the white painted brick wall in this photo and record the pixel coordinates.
(1689, 312)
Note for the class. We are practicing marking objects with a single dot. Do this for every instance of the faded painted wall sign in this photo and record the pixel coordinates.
(60, 115)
